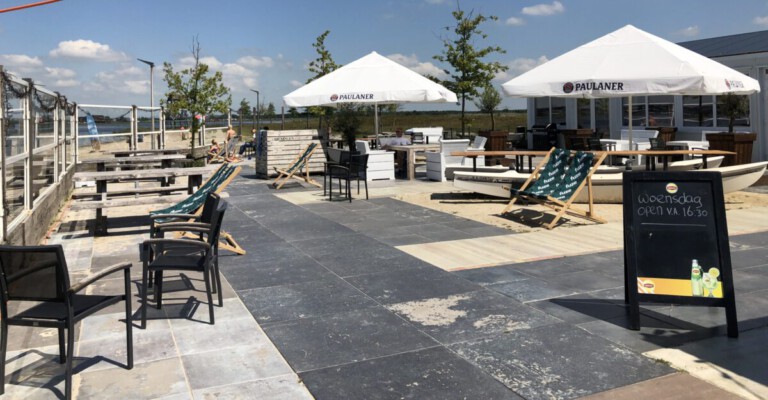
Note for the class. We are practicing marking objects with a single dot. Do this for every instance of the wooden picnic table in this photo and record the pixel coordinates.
(518, 154)
(664, 154)
(410, 154)
(102, 178)
(126, 153)
(164, 159)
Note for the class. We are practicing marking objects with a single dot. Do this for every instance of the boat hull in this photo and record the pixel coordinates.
(606, 188)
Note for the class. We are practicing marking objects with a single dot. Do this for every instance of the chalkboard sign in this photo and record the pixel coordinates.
(676, 242)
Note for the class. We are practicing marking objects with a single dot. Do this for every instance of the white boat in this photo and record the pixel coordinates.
(606, 188)
(683, 165)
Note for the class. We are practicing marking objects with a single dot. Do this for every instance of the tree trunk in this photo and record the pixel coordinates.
(462, 114)
(493, 123)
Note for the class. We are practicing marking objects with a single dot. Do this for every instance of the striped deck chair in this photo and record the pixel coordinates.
(191, 207)
(548, 174)
(300, 163)
(578, 175)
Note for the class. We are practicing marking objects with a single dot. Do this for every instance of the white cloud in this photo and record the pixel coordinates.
(87, 49)
(66, 83)
(59, 73)
(20, 61)
(515, 21)
(545, 9)
(412, 62)
(690, 31)
(296, 83)
(256, 62)
(519, 66)
(762, 21)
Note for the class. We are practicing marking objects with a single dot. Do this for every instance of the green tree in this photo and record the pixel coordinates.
(733, 106)
(469, 70)
(270, 110)
(347, 121)
(195, 90)
(321, 66)
(245, 109)
(488, 101)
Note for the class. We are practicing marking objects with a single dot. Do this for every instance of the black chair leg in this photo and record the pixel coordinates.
(365, 181)
(62, 349)
(70, 356)
(159, 289)
(210, 295)
(144, 290)
(128, 318)
(3, 347)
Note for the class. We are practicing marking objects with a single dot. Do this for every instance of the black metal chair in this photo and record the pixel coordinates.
(39, 274)
(159, 255)
(343, 160)
(176, 224)
(354, 170)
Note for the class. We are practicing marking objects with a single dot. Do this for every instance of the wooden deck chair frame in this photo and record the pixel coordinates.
(226, 241)
(566, 207)
(300, 163)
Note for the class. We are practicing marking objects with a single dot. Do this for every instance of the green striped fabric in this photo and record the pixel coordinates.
(576, 173)
(300, 161)
(195, 200)
(549, 176)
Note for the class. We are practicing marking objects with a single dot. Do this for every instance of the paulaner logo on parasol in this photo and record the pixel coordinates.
(569, 87)
(734, 84)
(352, 96)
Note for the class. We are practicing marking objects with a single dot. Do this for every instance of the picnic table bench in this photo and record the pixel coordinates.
(165, 160)
(126, 153)
(101, 199)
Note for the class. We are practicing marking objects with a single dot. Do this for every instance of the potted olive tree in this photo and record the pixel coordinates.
(733, 106)
(347, 121)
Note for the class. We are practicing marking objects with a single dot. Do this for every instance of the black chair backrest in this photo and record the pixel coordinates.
(37, 273)
(358, 164)
(657, 144)
(217, 218)
(595, 144)
(211, 203)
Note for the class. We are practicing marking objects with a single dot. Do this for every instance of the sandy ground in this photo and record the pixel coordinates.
(488, 209)
(173, 140)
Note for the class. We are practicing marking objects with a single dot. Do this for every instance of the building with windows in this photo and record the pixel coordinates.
(691, 115)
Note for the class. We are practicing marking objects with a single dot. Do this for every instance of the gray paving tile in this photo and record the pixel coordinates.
(380, 258)
(585, 281)
(337, 339)
(532, 290)
(493, 275)
(148, 346)
(224, 334)
(145, 381)
(426, 374)
(580, 308)
(233, 365)
(656, 331)
(293, 268)
(539, 363)
(408, 285)
(470, 315)
(303, 300)
(399, 239)
(277, 388)
(749, 258)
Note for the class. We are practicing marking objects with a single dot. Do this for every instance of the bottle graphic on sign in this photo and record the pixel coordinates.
(696, 278)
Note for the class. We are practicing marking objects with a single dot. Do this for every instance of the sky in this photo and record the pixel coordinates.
(87, 49)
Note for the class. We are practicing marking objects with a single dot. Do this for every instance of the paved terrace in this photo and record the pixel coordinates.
(382, 299)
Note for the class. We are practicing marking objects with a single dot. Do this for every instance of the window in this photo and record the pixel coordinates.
(638, 111)
(661, 111)
(541, 111)
(584, 113)
(602, 120)
(558, 110)
(741, 119)
(698, 111)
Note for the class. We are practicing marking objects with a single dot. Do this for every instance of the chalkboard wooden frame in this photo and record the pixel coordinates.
(714, 226)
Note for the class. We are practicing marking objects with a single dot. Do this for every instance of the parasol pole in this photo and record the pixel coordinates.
(631, 158)
(376, 123)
